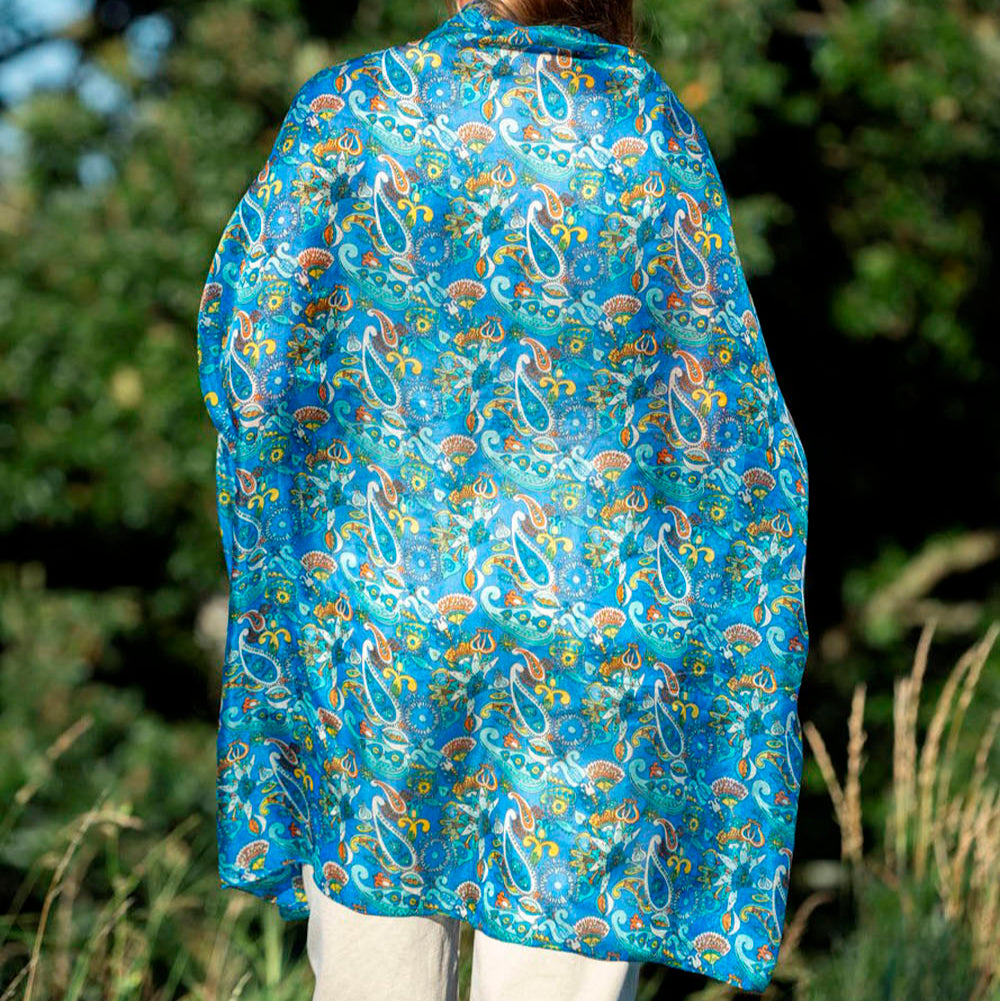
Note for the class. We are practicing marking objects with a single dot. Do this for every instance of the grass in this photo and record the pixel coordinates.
(131, 913)
(928, 900)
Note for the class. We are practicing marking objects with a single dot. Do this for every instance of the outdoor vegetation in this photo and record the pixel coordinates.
(859, 142)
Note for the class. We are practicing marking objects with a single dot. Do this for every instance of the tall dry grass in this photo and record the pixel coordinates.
(938, 830)
(162, 930)
(128, 916)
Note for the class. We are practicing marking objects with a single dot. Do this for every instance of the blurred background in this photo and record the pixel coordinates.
(859, 143)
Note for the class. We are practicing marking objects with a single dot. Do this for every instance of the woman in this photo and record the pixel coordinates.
(514, 515)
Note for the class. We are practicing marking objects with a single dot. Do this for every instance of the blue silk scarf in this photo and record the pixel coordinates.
(513, 511)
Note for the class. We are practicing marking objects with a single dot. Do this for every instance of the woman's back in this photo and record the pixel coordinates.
(513, 510)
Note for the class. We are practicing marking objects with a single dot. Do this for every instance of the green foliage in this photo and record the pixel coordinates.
(721, 73)
(903, 949)
(65, 735)
(912, 124)
(109, 815)
(885, 113)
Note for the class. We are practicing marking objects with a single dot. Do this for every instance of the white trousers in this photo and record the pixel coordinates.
(373, 957)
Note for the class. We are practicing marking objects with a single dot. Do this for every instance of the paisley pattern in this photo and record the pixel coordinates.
(513, 510)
